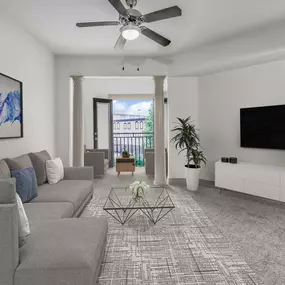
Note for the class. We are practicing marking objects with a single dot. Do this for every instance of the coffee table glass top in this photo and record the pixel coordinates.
(155, 204)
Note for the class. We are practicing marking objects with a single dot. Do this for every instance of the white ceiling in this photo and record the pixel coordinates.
(203, 21)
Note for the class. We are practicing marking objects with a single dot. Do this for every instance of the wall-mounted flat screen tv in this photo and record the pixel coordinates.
(263, 127)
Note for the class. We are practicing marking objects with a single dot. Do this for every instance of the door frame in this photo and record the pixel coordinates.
(95, 126)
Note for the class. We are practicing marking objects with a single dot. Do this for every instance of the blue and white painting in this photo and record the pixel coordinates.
(10, 108)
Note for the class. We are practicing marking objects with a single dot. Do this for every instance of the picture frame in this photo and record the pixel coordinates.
(11, 108)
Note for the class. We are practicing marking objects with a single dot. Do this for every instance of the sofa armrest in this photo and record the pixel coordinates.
(8, 191)
(147, 150)
(105, 151)
(78, 173)
(96, 160)
(9, 236)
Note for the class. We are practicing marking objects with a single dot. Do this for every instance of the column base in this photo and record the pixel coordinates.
(160, 183)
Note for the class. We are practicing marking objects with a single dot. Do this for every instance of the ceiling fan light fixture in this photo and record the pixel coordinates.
(130, 32)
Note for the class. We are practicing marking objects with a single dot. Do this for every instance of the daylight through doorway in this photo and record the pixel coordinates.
(133, 128)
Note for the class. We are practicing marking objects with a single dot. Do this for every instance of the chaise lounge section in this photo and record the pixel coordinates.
(61, 248)
(62, 251)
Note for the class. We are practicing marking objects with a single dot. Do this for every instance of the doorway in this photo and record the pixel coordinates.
(133, 128)
(103, 126)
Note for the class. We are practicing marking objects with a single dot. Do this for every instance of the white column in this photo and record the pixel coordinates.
(78, 122)
(159, 138)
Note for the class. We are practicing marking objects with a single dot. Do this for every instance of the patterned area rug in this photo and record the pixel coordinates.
(185, 247)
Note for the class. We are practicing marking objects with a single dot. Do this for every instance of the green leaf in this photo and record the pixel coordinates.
(186, 139)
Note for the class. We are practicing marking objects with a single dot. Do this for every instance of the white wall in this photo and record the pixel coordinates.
(183, 102)
(105, 88)
(23, 58)
(220, 98)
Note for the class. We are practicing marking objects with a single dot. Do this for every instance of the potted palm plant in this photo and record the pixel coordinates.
(187, 140)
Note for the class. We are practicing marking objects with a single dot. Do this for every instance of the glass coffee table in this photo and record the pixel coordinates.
(155, 205)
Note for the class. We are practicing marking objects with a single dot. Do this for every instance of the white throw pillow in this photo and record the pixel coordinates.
(23, 224)
(55, 171)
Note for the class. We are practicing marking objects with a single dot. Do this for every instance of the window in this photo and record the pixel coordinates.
(137, 125)
(129, 126)
(141, 125)
(114, 126)
(125, 126)
(118, 126)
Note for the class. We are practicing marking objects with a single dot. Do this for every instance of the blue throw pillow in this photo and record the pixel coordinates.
(26, 183)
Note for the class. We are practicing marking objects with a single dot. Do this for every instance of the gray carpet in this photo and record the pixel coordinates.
(254, 226)
(187, 247)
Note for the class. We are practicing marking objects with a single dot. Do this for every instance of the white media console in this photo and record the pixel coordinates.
(254, 179)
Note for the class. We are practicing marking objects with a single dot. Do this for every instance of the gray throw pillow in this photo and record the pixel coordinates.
(39, 162)
(4, 170)
(20, 162)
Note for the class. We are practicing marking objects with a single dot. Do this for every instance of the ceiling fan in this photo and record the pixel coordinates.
(132, 22)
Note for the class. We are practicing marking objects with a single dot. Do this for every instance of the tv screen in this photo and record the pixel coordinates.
(263, 127)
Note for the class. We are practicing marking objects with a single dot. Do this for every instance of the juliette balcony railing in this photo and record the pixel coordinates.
(134, 143)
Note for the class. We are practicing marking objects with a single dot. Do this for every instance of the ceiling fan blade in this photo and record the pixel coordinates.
(117, 4)
(97, 24)
(155, 37)
(163, 14)
(121, 42)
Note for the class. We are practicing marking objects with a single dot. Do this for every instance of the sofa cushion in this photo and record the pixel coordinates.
(26, 183)
(58, 210)
(39, 163)
(4, 170)
(73, 191)
(20, 162)
(62, 251)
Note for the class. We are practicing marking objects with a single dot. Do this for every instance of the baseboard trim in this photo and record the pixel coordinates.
(177, 181)
(182, 182)
(208, 183)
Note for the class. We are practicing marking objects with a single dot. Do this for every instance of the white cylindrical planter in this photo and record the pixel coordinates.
(192, 178)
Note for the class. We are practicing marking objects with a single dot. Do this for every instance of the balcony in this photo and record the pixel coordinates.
(134, 143)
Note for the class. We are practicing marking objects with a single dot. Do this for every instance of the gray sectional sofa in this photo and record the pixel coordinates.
(61, 248)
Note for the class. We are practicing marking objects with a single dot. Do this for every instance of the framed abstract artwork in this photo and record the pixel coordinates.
(11, 107)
